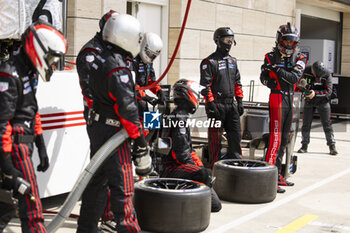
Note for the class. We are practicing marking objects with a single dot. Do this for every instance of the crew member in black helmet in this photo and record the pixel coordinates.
(319, 85)
(222, 81)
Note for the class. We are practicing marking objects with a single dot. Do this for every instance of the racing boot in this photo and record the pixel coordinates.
(332, 150)
(303, 149)
(280, 190)
(284, 182)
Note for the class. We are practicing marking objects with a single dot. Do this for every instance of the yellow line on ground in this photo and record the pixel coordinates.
(297, 224)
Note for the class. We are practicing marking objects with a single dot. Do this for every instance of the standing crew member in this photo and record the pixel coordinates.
(151, 47)
(183, 161)
(282, 69)
(222, 81)
(42, 49)
(86, 62)
(114, 107)
(319, 85)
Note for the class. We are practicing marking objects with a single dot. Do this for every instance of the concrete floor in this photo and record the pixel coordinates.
(319, 201)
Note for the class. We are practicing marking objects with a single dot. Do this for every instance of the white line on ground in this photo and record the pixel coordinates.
(276, 204)
(331, 226)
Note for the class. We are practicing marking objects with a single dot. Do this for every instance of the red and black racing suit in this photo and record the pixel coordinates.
(145, 76)
(284, 76)
(222, 81)
(114, 102)
(19, 123)
(323, 89)
(86, 63)
(182, 161)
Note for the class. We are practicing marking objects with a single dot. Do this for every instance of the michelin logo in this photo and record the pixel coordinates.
(151, 120)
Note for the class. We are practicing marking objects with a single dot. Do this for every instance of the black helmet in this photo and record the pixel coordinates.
(105, 17)
(319, 70)
(187, 90)
(287, 33)
(221, 33)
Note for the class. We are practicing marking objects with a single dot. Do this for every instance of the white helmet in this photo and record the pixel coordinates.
(45, 47)
(151, 47)
(124, 31)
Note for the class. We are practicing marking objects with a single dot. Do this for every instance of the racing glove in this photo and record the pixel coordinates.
(9, 171)
(212, 111)
(44, 159)
(240, 107)
(272, 67)
(161, 97)
(141, 157)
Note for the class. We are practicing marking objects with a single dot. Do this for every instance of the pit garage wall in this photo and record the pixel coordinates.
(254, 22)
(345, 64)
(82, 21)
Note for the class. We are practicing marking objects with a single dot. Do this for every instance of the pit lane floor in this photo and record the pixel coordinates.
(319, 201)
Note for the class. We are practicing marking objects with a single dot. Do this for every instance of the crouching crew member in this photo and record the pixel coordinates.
(182, 161)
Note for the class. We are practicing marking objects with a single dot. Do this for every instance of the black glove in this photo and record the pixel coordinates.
(271, 83)
(211, 110)
(44, 159)
(9, 171)
(240, 107)
(141, 157)
(161, 97)
(272, 67)
(153, 101)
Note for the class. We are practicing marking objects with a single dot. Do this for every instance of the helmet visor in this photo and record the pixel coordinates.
(227, 40)
(289, 43)
(151, 54)
(54, 61)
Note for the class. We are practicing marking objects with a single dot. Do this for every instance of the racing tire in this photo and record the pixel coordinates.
(172, 205)
(245, 181)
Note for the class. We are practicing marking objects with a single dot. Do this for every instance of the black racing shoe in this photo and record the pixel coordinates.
(108, 226)
(332, 150)
(280, 190)
(303, 149)
(284, 182)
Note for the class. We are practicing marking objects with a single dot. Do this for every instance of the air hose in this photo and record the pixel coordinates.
(175, 50)
(100, 156)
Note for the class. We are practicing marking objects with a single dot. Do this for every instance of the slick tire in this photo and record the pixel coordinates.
(172, 205)
(245, 181)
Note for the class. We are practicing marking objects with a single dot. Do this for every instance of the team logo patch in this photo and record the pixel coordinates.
(151, 120)
(89, 58)
(4, 86)
(204, 66)
(124, 78)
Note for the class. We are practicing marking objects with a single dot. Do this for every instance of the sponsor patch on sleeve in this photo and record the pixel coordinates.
(301, 64)
(124, 78)
(204, 66)
(89, 58)
(4, 86)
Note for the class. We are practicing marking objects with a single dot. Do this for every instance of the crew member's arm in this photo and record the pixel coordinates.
(122, 90)
(40, 144)
(152, 79)
(85, 63)
(206, 80)
(293, 76)
(239, 92)
(326, 92)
